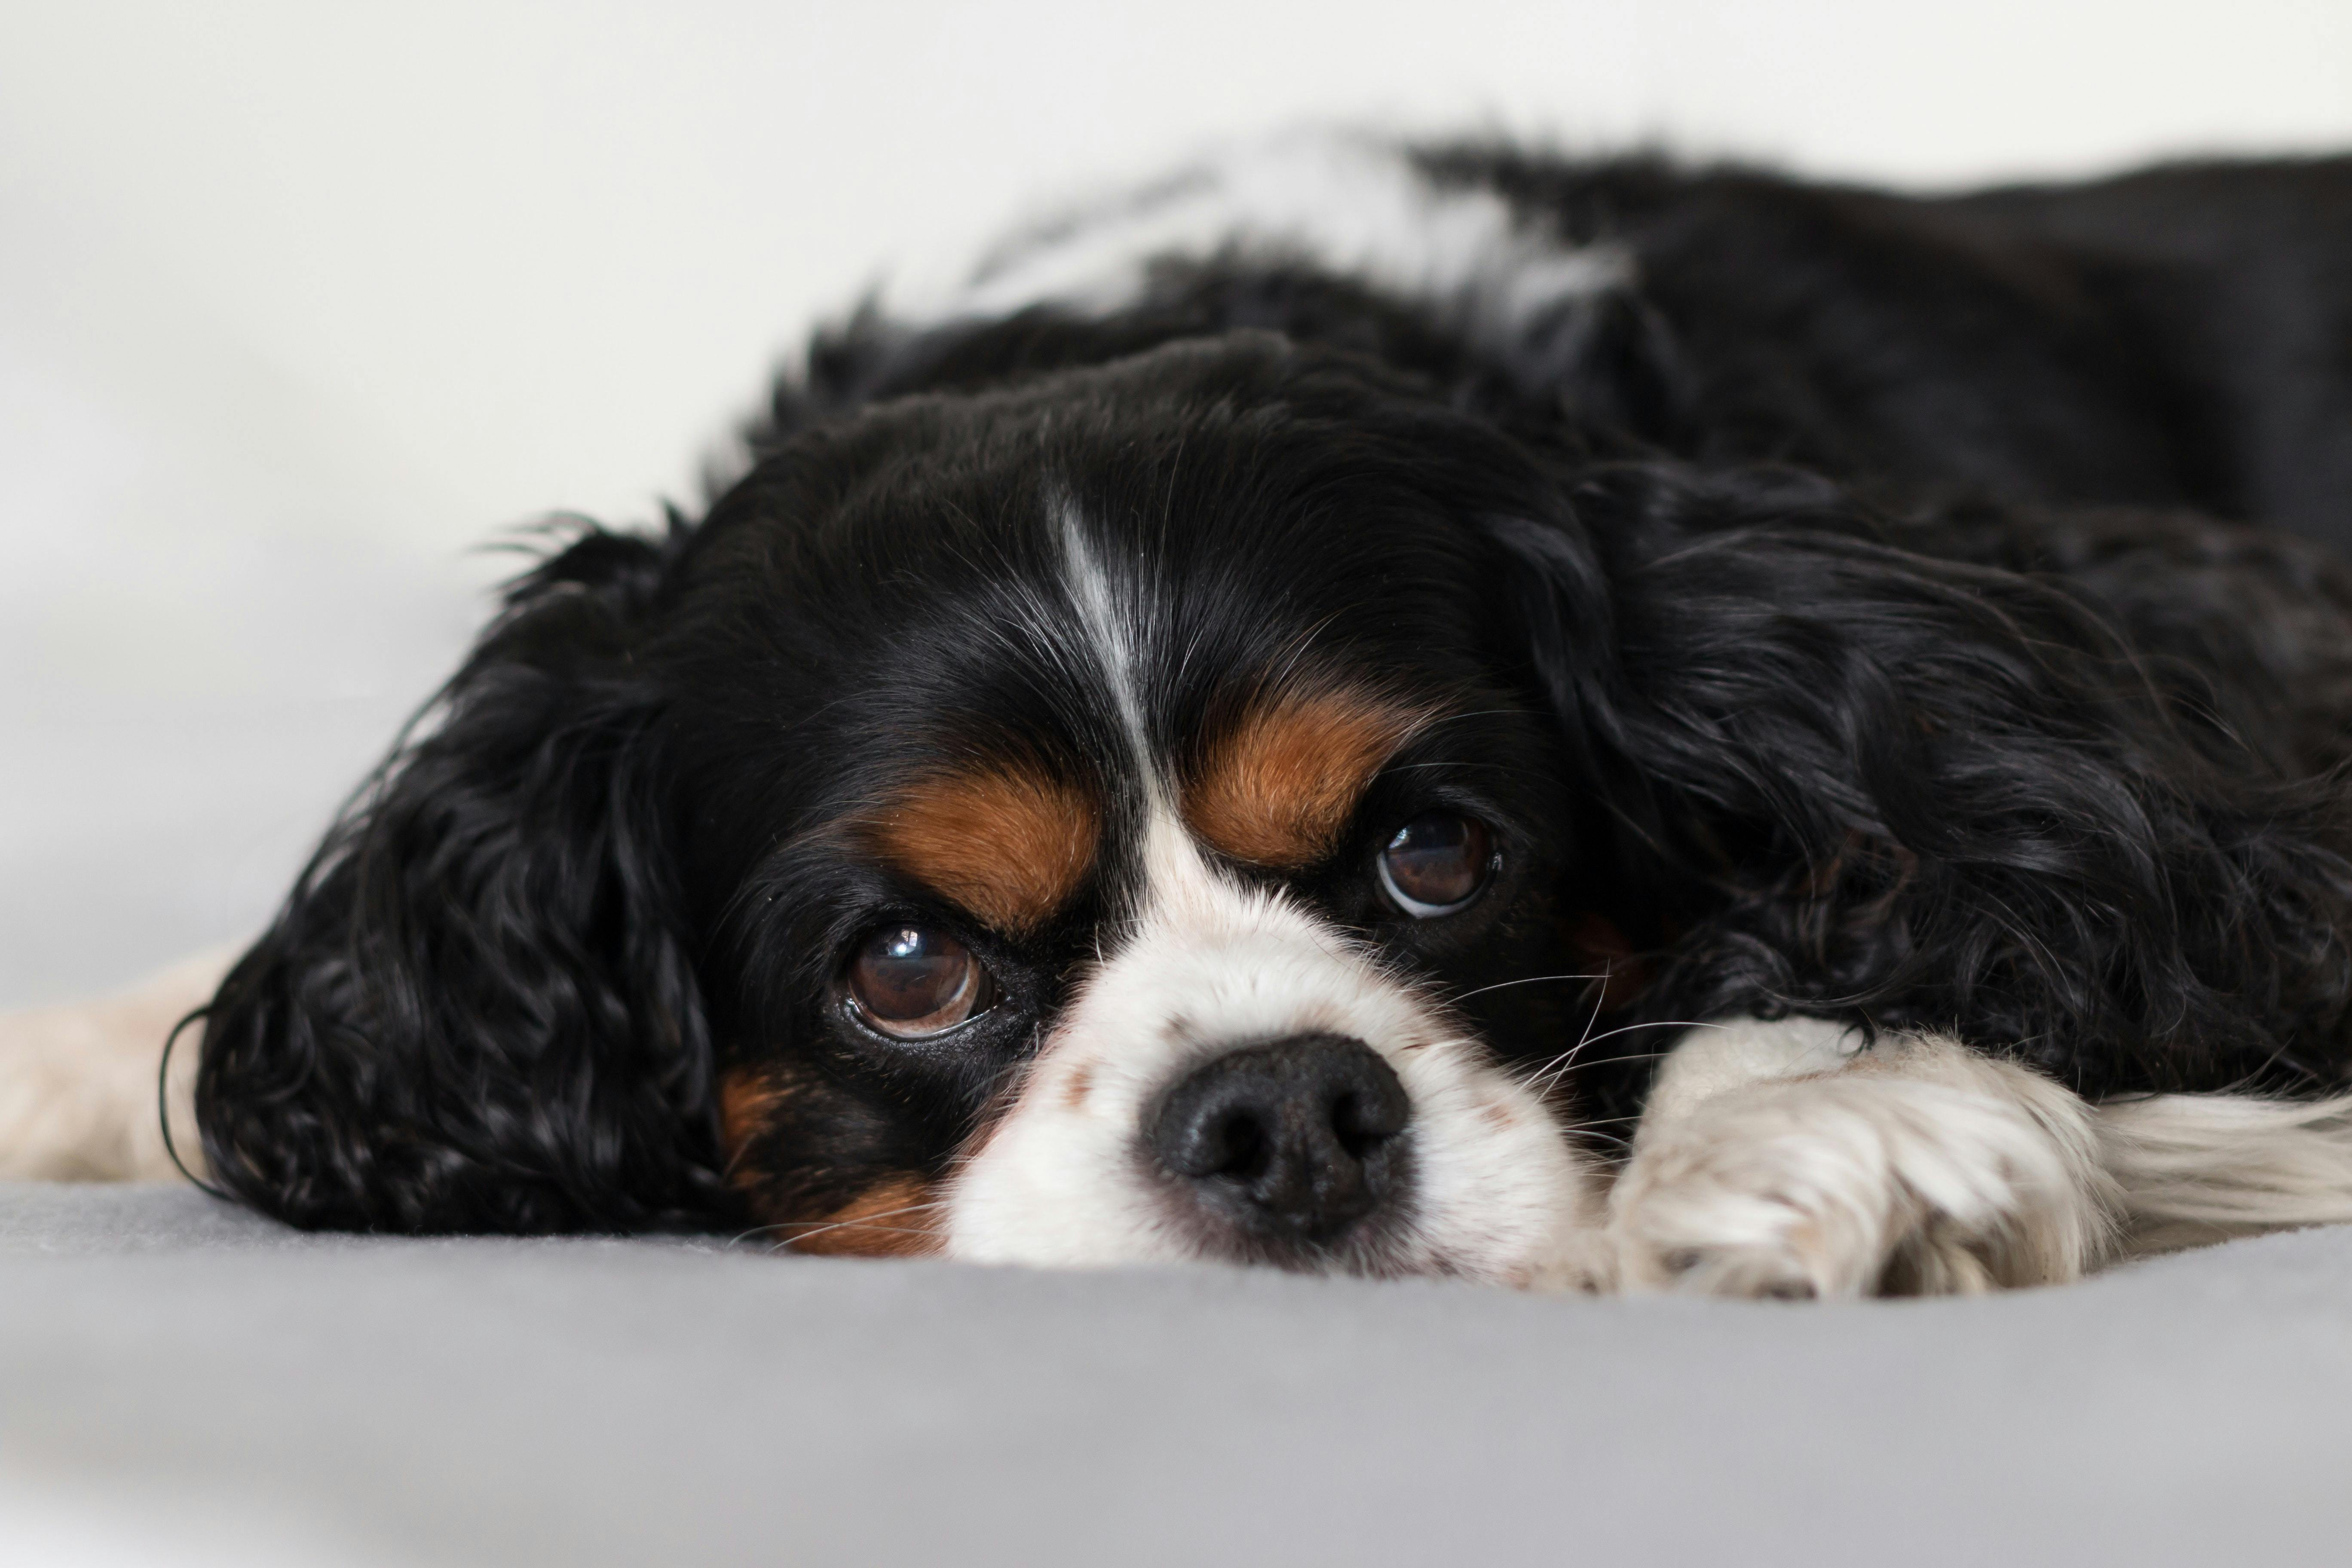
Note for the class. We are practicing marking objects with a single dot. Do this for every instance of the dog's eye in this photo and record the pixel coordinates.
(911, 981)
(1436, 863)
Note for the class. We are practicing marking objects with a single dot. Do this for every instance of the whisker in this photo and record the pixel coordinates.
(1600, 1000)
(1627, 1057)
(791, 1224)
(1551, 1072)
(1528, 980)
(791, 1242)
(814, 1228)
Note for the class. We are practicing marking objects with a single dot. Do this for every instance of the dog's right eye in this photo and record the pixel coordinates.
(911, 981)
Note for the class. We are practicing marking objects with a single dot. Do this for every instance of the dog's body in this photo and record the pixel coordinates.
(1249, 728)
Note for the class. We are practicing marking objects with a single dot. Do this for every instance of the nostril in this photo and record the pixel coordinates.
(1361, 1122)
(1238, 1147)
(1213, 1136)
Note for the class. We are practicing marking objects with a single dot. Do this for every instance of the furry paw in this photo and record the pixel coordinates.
(1919, 1170)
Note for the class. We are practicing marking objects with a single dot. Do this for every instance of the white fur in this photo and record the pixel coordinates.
(1914, 1164)
(1355, 206)
(1109, 636)
(1714, 1059)
(1787, 1159)
(2198, 1168)
(1063, 1178)
(78, 1083)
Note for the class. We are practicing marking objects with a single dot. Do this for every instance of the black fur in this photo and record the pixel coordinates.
(1869, 611)
(477, 1010)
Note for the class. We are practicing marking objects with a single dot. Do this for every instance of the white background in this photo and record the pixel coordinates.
(298, 302)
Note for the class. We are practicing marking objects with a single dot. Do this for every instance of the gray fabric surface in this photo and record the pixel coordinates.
(590, 1402)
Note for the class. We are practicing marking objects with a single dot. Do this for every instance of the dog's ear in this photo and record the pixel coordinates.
(1871, 780)
(476, 1010)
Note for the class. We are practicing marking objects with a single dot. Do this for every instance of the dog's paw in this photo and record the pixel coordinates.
(1918, 1171)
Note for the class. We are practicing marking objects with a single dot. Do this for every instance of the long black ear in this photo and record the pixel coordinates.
(1864, 777)
(476, 1011)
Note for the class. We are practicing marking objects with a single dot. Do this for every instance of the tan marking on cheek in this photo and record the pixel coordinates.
(893, 1218)
(1080, 1083)
(748, 1100)
(1011, 843)
(1277, 786)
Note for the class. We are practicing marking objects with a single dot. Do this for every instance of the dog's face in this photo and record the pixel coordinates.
(1118, 825)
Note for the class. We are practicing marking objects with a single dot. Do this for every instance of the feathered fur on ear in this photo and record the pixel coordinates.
(1876, 781)
(476, 1011)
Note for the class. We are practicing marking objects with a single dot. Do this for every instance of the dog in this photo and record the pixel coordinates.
(1412, 709)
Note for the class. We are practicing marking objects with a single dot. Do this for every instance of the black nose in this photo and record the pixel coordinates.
(1294, 1142)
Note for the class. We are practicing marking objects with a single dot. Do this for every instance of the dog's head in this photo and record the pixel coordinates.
(1098, 820)
(1109, 804)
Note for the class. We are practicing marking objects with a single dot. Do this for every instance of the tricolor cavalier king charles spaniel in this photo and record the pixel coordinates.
(1413, 710)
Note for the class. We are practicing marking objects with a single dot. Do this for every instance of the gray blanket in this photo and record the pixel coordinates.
(182, 1382)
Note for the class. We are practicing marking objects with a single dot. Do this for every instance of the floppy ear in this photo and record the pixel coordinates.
(476, 1012)
(1874, 782)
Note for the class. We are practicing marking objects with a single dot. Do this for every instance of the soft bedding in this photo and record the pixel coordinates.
(183, 1382)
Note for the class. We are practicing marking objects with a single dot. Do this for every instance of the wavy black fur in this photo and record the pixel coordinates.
(476, 1011)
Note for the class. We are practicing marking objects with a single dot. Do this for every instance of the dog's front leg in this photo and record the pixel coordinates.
(78, 1089)
(1788, 1158)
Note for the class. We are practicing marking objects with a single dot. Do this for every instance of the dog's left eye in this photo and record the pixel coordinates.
(911, 981)
(1437, 863)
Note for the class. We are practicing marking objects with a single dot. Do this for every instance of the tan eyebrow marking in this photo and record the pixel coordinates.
(1275, 788)
(1008, 841)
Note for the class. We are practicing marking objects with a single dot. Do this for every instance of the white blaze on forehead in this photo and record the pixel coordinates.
(1109, 636)
(1357, 207)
